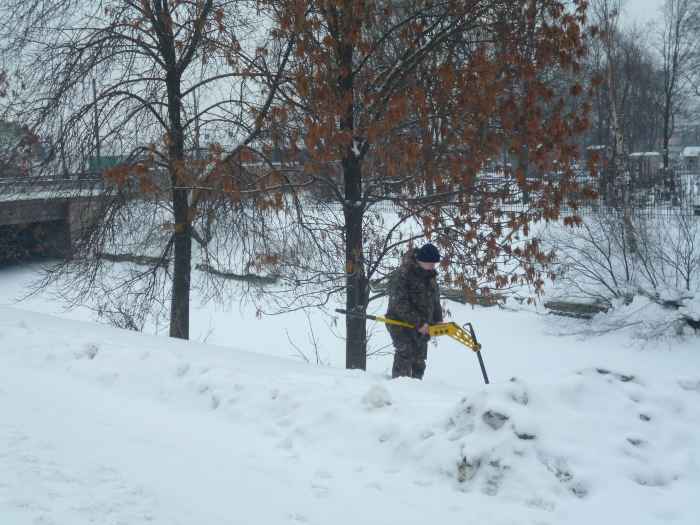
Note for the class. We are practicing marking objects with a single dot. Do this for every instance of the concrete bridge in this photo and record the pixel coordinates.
(44, 220)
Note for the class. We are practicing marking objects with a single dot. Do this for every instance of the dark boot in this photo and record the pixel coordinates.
(418, 369)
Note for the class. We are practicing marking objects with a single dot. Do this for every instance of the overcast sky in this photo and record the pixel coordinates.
(643, 10)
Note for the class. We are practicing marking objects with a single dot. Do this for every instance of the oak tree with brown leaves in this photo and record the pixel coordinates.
(411, 104)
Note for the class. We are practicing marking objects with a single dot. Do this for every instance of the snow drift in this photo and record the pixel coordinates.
(102, 425)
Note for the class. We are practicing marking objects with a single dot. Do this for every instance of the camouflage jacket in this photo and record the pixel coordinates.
(414, 296)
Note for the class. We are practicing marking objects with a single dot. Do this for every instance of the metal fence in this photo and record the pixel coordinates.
(652, 192)
(660, 209)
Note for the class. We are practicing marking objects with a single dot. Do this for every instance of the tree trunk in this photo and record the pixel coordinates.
(620, 170)
(356, 281)
(356, 291)
(182, 242)
(667, 134)
(524, 157)
(182, 246)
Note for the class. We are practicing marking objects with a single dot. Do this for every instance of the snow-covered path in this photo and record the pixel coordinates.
(99, 425)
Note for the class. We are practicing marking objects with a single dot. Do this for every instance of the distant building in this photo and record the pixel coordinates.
(644, 169)
(645, 162)
(690, 157)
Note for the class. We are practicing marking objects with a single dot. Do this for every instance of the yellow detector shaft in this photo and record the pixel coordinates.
(451, 329)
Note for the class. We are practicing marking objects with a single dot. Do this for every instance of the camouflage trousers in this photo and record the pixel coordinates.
(409, 356)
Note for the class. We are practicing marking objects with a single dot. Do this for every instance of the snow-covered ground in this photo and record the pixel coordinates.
(100, 425)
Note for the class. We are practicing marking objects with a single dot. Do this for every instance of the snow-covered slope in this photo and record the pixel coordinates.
(99, 425)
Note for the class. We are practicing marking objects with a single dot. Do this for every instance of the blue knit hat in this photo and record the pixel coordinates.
(428, 254)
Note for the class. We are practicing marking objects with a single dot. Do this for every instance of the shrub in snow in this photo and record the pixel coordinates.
(651, 283)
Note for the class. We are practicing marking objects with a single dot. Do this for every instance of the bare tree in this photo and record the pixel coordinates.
(693, 72)
(637, 90)
(136, 81)
(676, 42)
(608, 13)
(650, 76)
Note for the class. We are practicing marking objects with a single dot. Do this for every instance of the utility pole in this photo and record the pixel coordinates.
(97, 129)
(64, 171)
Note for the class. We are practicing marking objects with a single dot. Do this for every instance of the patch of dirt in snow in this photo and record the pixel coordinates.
(573, 432)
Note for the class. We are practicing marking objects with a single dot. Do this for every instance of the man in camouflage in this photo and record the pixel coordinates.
(414, 298)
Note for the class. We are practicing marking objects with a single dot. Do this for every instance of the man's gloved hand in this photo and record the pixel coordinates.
(424, 333)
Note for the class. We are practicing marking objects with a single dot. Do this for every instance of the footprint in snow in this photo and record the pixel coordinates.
(321, 484)
(377, 397)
